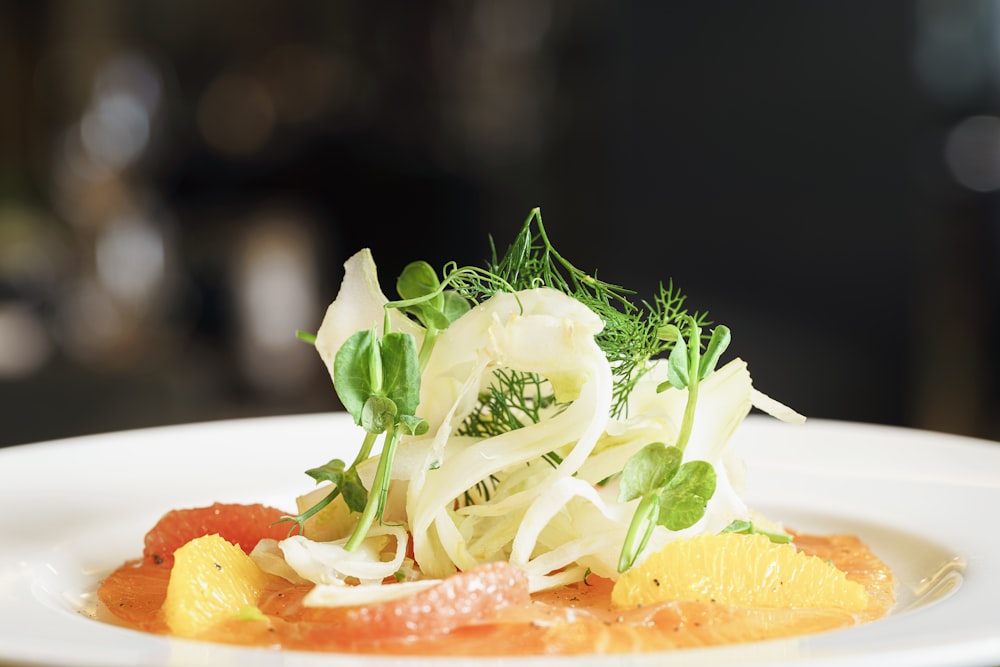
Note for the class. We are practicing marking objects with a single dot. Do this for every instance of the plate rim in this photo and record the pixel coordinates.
(810, 650)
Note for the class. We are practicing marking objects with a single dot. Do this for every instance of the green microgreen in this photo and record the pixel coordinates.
(378, 382)
(744, 527)
(687, 366)
(671, 494)
(425, 298)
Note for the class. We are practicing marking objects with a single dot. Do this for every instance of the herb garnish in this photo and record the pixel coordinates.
(632, 333)
(744, 527)
(378, 380)
(672, 494)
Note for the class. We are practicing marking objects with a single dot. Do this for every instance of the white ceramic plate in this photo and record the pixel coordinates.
(72, 510)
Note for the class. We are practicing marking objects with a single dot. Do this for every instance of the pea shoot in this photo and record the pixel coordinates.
(378, 383)
(672, 494)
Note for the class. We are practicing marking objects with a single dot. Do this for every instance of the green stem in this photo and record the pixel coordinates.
(687, 424)
(427, 346)
(644, 519)
(301, 519)
(377, 495)
(366, 449)
(694, 361)
(375, 364)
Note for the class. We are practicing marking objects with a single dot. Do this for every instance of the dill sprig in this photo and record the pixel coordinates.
(514, 400)
(481, 492)
(632, 339)
(632, 334)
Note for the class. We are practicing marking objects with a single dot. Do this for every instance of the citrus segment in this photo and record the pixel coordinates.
(211, 580)
(577, 619)
(244, 525)
(462, 599)
(134, 594)
(742, 570)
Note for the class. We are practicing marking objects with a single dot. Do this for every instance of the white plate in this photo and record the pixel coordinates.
(71, 510)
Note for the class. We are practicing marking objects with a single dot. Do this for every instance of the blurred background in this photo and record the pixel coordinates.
(181, 181)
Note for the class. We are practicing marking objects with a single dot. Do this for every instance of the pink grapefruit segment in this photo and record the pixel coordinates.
(244, 525)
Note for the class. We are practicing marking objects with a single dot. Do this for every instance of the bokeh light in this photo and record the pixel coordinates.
(180, 184)
(972, 153)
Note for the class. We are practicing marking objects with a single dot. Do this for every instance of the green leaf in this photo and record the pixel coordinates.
(332, 471)
(353, 490)
(678, 512)
(378, 414)
(668, 333)
(740, 526)
(377, 381)
(419, 279)
(648, 470)
(346, 480)
(352, 370)
(433, 318)
(401, 366)
(677, 364)
(413, 425)
(695, 477)
(684, 500)
(455, 305)
(744, 527)
(433, 306)
(716, 346)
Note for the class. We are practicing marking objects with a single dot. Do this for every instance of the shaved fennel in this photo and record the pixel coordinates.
(536, 478)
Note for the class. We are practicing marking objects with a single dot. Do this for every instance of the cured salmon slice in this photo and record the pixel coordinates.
(576, 619)
(580, 618)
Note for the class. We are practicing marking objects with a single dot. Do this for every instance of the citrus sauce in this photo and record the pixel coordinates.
(575, 619)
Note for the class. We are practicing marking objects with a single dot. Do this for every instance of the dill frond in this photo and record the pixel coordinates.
(514, 400)
(630, 338)
(480, 493)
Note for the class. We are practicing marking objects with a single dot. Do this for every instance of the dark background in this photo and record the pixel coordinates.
(180, 183)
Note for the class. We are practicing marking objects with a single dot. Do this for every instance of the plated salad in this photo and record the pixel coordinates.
(534, 450)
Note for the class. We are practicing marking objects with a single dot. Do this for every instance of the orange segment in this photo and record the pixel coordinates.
(741, 570)
(578, 619)
(211, 581)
